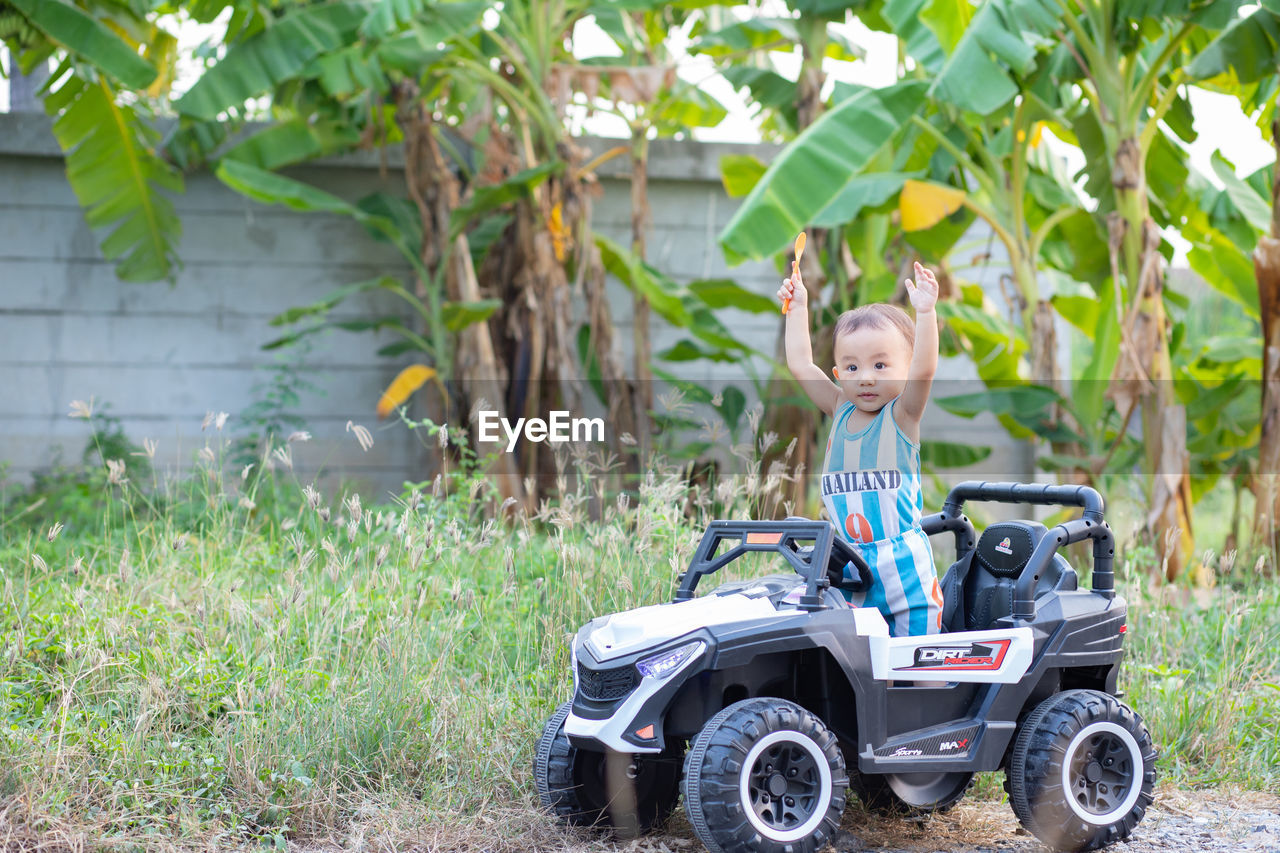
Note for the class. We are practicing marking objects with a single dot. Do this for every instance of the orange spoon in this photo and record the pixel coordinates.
(795, 270)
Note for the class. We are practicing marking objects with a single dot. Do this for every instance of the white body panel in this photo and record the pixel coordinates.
(1000, 656)
(610, 731)
(646, 627)
(869, 622)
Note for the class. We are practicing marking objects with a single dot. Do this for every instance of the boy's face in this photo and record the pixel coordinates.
(871, 366)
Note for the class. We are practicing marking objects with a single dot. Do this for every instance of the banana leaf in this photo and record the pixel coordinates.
(116, 174)
(695, 108)
(591, 364)
(727, 293)
(860, 193)
(1080, 310)
(687, 350)
(906, 21)
(816, 167)
(488, 198)
(292, 141)
(1253, 207)
(90, 39)
(1089, 394)
(951, 454)
(332, 299)
(767, 88)
(1002, 40)
(459, 315)
(278, 53)
(388, 16)
(679, 305)
(1225, 268)
(1018, 400)
(1248, 50)
(739, 173)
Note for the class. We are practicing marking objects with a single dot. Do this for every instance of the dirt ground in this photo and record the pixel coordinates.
(1178, 822)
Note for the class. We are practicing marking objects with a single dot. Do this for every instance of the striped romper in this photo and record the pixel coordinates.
(871, 489)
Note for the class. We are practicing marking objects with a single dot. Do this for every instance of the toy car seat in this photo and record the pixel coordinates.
(977, 590)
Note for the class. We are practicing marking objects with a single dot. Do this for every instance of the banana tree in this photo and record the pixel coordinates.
(113, 60)
(491, 186)
(1229, 228)
(1266, 263)
(744, 52)
(1129, 60)
(1244, 61)
(642, 87)
(549, 239)
(1025, 57)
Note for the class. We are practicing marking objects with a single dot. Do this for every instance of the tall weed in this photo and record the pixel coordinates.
(248, 659)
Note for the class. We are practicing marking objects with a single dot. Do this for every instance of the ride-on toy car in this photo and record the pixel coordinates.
(767, 700)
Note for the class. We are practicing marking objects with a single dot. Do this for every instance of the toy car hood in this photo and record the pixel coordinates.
(631, 631)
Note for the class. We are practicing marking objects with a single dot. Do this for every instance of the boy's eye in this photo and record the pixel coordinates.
(879, 365)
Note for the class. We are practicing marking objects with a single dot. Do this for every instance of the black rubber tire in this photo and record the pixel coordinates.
(1079, 726)
(629, 794)
(876, 792)
(722, 753)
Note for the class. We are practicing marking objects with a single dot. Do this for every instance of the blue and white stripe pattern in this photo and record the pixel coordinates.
(871, 489)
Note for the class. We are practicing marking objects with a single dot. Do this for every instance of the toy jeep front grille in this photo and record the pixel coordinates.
(606, 684)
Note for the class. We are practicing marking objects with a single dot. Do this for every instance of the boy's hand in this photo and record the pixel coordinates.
(793, 288)
(924, 290)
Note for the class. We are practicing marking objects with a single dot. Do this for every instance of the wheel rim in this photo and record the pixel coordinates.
(785, 786)
(923, 790)
(1102, 772)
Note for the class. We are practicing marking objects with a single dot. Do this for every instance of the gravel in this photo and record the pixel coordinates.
(1176, 821)
(1181, 821)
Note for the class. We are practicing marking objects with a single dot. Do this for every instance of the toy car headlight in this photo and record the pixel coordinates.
(664, 663)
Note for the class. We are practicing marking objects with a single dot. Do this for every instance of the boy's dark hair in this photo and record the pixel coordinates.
(877, 315)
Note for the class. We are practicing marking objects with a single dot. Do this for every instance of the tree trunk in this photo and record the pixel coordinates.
(643, 351)
(590, 286)
(788, 420)
(813, 34)
(1266, 264)
(434, 188)
(618, 388)
(1143, 374)
(1044, 346)
(791, 420)
(1266, 483)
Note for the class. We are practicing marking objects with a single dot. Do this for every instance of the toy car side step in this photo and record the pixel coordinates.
(966, 744)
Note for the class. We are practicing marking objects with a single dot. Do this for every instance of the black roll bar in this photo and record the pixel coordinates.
(1092, 526)
(782, 537)
(1026, 493)
(1076, 530)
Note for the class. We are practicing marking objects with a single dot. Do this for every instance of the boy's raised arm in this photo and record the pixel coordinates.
(924, 360)
(813, 379)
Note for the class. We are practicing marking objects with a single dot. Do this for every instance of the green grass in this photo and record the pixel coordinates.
(206, 669)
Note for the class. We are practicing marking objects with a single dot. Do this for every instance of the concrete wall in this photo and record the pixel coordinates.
(162, 356)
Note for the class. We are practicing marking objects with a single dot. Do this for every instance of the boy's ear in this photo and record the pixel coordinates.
(835, 371)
